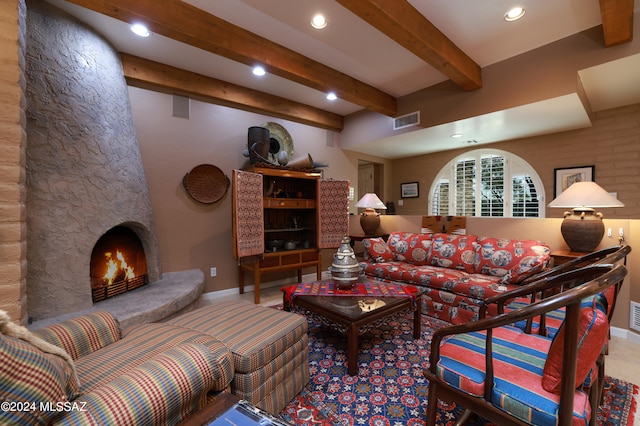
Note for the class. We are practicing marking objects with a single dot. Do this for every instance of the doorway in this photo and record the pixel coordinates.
(370, 179)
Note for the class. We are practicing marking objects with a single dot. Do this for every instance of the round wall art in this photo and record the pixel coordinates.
(206, 183)
(280, 140)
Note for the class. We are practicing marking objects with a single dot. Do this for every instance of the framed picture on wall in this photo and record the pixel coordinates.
(409, 190)
(564, 177)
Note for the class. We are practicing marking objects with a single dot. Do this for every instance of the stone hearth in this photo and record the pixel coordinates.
(175, 293)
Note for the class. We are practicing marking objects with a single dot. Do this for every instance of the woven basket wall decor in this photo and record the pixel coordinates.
(206, 183)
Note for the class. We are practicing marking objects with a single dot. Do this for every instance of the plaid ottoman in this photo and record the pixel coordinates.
(269, 348)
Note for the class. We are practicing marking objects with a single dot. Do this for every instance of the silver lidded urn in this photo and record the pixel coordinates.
(345, 268)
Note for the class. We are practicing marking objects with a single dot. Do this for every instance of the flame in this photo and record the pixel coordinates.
(117, 269)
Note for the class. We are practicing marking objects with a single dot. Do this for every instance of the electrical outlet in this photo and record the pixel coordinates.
(214, 272)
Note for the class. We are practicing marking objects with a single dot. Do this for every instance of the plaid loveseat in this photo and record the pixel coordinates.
(156, 373)
(458, 271)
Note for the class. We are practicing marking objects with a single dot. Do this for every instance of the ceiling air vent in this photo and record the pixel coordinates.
(406, 120)
(635, 316)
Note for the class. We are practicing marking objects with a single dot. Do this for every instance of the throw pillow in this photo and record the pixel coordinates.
(453, 252)
(410, 247)
(592, 335)
(511, 260)
(376, 250)
(32, 374)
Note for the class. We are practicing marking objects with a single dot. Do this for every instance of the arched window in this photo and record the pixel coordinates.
(488, 183)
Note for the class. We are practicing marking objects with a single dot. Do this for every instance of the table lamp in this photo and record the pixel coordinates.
(370, 219)
(582, 228)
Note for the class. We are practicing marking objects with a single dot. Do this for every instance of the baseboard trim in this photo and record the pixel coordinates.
(625, 334)
(214, 295)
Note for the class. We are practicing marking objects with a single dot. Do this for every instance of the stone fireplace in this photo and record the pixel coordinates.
(84, 172)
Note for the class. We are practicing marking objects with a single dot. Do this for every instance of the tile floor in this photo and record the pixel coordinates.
(621, 363)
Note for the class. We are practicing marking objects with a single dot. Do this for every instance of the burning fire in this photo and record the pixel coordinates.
(117, 270)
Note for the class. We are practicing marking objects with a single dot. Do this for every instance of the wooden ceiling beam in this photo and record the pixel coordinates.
(400, 21)
(163, 78)
(185, 23)
(617, 21)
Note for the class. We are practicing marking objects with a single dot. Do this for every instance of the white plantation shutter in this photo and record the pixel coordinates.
(465, 188)
(487, 183)
(492, 186)
(440, 198)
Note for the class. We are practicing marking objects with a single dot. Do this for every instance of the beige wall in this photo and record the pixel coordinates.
(12, 147)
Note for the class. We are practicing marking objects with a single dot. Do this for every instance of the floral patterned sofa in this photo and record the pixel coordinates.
(458, 271)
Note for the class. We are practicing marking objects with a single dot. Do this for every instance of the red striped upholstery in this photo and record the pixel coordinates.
(235, 324)
(28, 375)
(266, 345)
(82, 335)
(143, 343)
(162, 390)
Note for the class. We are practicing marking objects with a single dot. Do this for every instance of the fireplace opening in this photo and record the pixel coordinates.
(118, 264)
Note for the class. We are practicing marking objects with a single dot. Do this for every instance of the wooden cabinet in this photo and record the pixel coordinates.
(282, 219)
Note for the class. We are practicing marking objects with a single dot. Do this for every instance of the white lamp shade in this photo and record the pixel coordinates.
(370, 201)
(585, 194)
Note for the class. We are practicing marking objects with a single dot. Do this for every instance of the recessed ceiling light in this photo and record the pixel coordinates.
(258, 70)
(318, 22)
(332, 96)
(456, 135)
(514, 14)
(141, 30)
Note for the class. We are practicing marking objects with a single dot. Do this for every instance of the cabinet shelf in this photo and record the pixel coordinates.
(289, 203)
(286, 230)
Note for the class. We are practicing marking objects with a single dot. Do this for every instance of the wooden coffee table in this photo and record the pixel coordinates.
(355, 315)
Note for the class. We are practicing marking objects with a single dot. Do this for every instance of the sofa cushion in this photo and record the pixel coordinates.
(84, 334)
(234, 324)
(410, 247)
(377, 250)
(511, 260)
(28, 375)
(592, 335)
(453, 252)
(142, 343)
(161, 391)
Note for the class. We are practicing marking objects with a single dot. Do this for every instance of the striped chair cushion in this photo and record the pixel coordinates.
(553, 319)
(83, 335)
(161, 391)
(28, 375)
(143, 343)
(519, 360)
(255, 335)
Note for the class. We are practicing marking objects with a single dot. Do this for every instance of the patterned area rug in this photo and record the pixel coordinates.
(390, 388)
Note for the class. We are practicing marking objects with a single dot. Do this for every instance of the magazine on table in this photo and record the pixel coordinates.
(243, 413)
